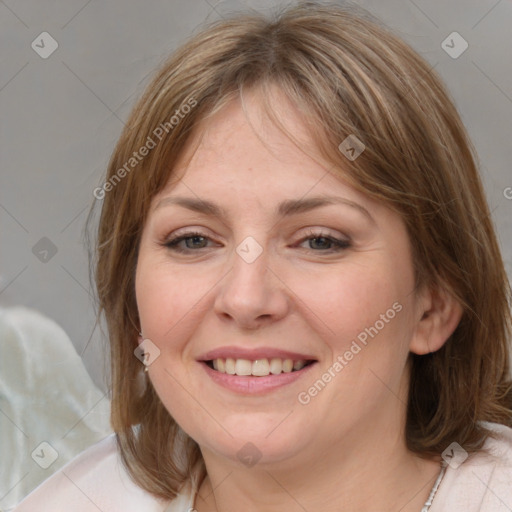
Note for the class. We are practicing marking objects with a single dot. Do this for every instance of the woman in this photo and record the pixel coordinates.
(306, 303)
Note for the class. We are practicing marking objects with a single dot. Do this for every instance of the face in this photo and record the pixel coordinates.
(268, 275)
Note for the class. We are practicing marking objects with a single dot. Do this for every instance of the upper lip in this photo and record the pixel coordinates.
(253, 354)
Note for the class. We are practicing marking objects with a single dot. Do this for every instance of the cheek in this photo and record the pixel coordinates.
(345, 302)
(364, 317)
(172, 302)
(163, 295)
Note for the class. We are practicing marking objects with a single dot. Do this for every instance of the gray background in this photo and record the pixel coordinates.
(61, 117)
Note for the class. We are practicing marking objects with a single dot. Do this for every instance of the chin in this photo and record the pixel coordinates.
(259, 445)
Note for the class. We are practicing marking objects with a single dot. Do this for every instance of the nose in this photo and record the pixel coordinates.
(251, 294)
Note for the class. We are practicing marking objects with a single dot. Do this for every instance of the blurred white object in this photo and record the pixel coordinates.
(50, 409)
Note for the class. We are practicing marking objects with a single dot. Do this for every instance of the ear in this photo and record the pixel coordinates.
(439, 315)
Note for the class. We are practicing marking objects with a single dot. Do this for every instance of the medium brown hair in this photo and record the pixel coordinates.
(347, 75)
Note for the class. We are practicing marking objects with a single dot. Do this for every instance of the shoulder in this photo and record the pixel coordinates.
(482, 481)
(97, 480)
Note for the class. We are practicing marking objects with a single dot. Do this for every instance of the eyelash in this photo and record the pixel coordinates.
(341, 245)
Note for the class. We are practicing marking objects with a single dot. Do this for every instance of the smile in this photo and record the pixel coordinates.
(256, 385)
(257, 368)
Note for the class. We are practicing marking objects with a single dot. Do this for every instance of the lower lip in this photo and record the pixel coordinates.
(255, 385)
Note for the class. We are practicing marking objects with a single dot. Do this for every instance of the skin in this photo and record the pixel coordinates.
(345, 449)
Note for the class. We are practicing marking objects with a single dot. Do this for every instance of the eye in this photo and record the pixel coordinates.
(194, 240)
(325, 242)
(197, 241)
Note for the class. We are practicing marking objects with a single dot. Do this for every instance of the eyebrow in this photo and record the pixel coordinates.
(285, 209)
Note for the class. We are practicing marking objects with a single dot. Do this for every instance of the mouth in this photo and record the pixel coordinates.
(255, 371)
(262, 367)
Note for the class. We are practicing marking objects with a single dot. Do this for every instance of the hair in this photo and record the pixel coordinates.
(346, 74)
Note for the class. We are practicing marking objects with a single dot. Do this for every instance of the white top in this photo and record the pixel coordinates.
(97, 481)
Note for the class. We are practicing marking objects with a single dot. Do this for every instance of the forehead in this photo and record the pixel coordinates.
(238, 160)
(240, 145)
(247, 123)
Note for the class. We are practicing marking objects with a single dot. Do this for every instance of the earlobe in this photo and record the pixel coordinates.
(441, 315)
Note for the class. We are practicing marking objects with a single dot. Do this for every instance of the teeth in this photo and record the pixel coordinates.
(298, 365)
(287, 365)
(276, 366)
(243, 367)
(230, 366)
(259, 367)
